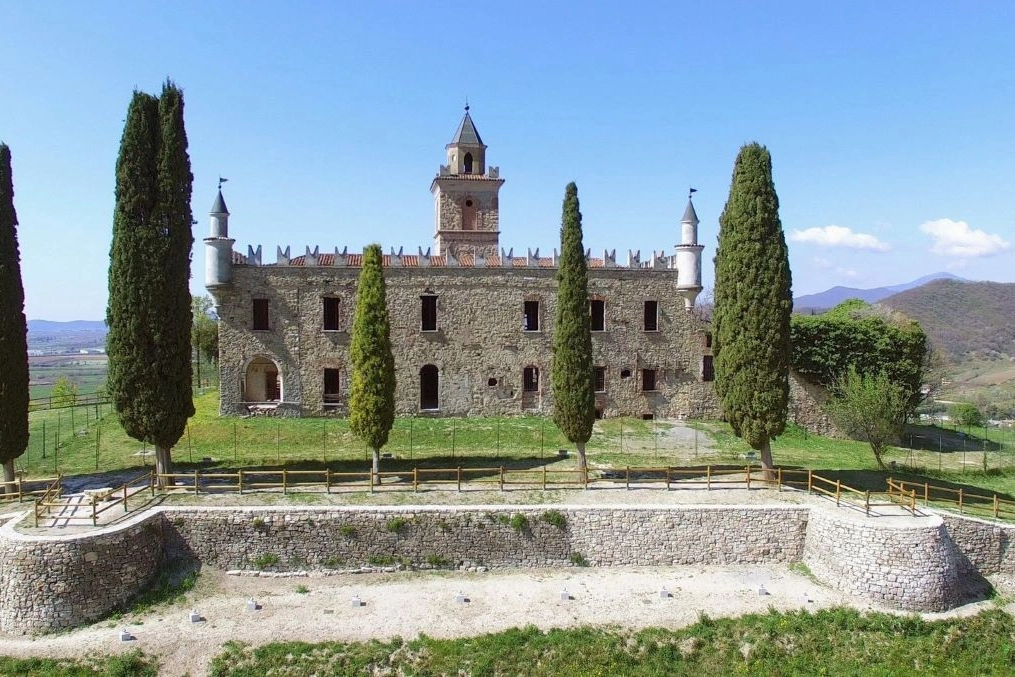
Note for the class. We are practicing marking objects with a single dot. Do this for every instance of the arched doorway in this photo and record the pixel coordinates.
(467, 161)
(428, 388)
(261, 381)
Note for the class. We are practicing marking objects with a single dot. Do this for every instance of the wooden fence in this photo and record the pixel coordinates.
(54, 505)
(992, 505)
(17, 490)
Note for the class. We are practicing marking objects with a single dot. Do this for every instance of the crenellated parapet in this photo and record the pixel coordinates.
(313, 257)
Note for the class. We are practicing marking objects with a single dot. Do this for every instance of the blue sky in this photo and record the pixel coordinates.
(890, 125)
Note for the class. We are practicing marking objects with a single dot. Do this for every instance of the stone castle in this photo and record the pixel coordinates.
(471, 323)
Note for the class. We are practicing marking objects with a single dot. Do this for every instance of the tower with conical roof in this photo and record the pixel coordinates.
(689, 257)
(218, 262)
(465, 193)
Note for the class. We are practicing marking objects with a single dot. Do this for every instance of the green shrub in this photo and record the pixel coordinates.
(396, 524)
(334, 562)
(555, 518)
(268, 559)
(436, 560)
(579, 559)
(348, 531)
(519, 522)
(302, 589)
(381, 560)
(258, 523)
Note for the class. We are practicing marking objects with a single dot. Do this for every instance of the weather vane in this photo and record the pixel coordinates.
(691, 192)
(221, 181)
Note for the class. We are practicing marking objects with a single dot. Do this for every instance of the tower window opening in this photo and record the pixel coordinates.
(467, 163)
(648, 380)
(599, 379)
(651, 316)
(530, 379)
(428, 321)
(260, 310)
(429, 388)
(331, 314)
(530, 317)
(707, 368)
(332, 387)
(598, 309)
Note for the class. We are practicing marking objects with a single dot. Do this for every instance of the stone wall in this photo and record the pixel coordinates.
(479, 347)
(806, 406)
(899, 562)
(494, 536)
(49, 583)
(921, 564)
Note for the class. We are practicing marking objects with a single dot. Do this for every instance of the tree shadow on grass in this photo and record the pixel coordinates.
(945, 440)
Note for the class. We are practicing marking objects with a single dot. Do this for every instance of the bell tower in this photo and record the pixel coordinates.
(465, 190)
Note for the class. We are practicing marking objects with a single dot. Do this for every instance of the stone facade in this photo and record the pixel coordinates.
(472, 325)
(914, 564)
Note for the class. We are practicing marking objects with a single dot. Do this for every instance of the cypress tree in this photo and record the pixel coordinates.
(753, 304)
(13, 330)
(149, 314)
(574, 400)
(372, 391)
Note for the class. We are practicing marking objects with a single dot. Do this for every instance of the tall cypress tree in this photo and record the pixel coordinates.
(372, 391)
(149, 300)
(753, 304)
(13, 330)
(574, 400)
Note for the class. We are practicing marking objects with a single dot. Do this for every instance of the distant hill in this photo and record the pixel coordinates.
(836, 295)
(963, 319)
(73, 325)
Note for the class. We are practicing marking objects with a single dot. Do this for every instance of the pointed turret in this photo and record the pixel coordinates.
(218, 258)
(689, 256)
(466, 193)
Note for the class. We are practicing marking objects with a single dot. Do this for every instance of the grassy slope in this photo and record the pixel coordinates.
(833, 642)
(131, 664)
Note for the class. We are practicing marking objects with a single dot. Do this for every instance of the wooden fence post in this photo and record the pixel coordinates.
(239, 481)
(327, 480)
(197, 481)
(708, 477)
(285, 482)
(926, 493)
(460, 477)
(810, 480)
(667, 478)
(838, 490)
(125, 498)
(867, 502)
(960, 501)
(778, 480)
(415, 478)
(544, 478)
(995, 506)
(502, 478)
(747, 473)
(627, 478)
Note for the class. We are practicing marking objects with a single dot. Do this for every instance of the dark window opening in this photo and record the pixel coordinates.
(467, 161)
(708, 339)
(331, 315)
(469, 216)
(332, 386)
(261, 315)
(530, 317)
(651, 316)
(429, 313)
(648, 380)
(491, 382)
(707, 369)
(530, 380)
(648, 417)
(598, 310)
(599, 414)
(599, 379)
(625, 373)
(428, 388)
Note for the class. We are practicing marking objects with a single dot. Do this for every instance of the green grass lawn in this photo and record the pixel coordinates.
(831, 642)
(131, 664)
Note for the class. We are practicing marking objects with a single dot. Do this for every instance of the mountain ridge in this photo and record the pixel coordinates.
(836, 295)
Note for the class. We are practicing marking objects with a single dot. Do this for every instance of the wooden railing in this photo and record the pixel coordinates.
(20, 492)
(965, 501)
(79, 509)
(48, 499)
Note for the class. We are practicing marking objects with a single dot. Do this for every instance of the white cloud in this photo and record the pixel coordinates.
(956, 238)
(839, 236)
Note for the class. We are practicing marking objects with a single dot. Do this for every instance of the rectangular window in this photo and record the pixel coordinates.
(530, 379)
(651, 316)
(599, 379)
(648, 380)
(261, 315)
(331, 315)
(530, 316)
(332, 386)
(429, 313)
(598, 310)
(708, 339)
(707, 370)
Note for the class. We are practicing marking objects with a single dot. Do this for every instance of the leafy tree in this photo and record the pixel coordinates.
(204, 333)
(13, 330)
(372, 391)
(870, 338)
(149, 314)
(870, 407)
(967, 414)
(64, 393)
(574, 403)
(753, 304)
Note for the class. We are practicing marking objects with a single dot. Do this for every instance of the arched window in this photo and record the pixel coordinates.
(467, 162)
(469, 215)
(428, 388)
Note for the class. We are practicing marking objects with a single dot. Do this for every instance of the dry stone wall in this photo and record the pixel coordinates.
(49, 583)
(922, 564)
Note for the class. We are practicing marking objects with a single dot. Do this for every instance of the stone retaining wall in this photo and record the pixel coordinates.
(50, 583)
(494, 536)
(923, 564)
